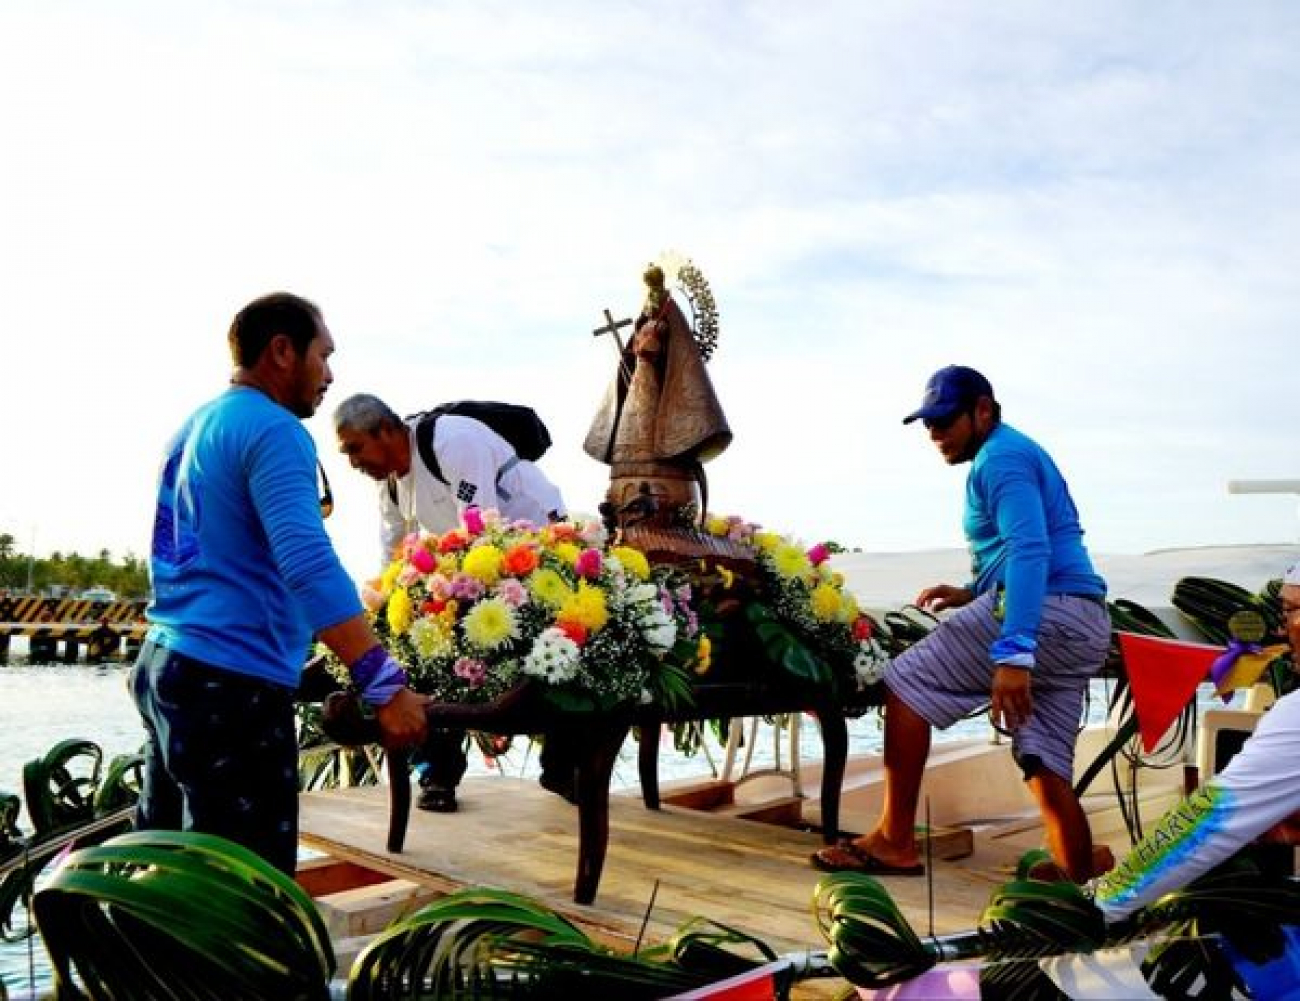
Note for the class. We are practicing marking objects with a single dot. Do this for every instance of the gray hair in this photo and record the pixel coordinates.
(363, 412)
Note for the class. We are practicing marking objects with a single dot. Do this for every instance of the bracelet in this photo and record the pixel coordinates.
(377, 676)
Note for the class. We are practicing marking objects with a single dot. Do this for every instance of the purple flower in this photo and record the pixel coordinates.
(466, 588)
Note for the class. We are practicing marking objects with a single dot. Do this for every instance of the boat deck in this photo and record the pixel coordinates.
(510, 833)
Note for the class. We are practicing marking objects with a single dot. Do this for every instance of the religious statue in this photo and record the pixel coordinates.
(660, 421)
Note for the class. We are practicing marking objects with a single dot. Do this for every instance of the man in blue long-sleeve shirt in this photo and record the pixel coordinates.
(244, 579)
(1030, 632)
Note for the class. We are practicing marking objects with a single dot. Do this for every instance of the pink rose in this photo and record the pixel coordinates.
(589, 564)
(473, 518)
(819, 554)
(512, 592)
(471, 670)
(423, 560)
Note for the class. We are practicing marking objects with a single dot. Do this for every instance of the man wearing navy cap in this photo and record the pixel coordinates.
(1029, 632)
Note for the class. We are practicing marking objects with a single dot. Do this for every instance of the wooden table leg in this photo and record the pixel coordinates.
(399, 798)
(835, 752)
(595, 767)
(647, 761)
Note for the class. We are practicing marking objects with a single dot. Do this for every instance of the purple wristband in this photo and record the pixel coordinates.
(378, 676)
(365, 668)
(381, 693)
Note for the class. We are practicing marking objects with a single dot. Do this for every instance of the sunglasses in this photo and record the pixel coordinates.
(326, 495)
(943, 423)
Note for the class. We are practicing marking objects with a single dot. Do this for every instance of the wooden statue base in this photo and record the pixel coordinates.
(675, 544)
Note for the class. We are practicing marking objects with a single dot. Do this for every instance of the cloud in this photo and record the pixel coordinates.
(1093, 204)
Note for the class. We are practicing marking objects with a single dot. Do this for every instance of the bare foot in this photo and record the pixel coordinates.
(1103, 860)
(1048, 871)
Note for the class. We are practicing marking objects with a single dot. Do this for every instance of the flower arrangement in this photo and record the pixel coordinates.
(475, 611)
(808, 622)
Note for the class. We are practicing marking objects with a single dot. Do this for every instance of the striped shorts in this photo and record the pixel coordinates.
(948, 675)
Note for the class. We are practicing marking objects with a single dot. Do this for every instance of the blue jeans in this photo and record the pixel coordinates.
(221, 756)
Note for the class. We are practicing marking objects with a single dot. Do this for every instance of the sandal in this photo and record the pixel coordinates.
(437, 800)
(849, 857)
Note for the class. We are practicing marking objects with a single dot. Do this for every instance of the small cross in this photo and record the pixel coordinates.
(611, 327)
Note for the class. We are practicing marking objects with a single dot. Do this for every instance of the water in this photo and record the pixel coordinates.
(41, 705)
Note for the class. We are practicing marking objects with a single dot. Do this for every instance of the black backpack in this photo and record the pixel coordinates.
(514, 422)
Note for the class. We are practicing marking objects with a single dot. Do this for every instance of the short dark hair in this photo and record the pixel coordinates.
(262, 319)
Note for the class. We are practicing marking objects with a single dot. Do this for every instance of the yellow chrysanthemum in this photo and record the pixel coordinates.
(567, 551)
(448, 564)
(825, 601)
(484, 563)
(703, 655)
(716, 525)
(791, 562)
(766, 542)
(490, 623)
(400, 611)
(431, 636)
(849, 609)
(548, 587)
(389, 578)
(633, 560)
(586, 607)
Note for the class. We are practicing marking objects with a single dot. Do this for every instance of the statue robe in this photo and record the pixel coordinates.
(665, 412)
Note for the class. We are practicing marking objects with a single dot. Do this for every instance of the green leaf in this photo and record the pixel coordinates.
(785, 648)
(181, 915)
(480, 943)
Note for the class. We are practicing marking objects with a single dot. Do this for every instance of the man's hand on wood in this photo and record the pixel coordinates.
(403, 720)
(941, 597)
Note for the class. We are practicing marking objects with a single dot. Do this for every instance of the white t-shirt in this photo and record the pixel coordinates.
(1256, 790)
(471, 456)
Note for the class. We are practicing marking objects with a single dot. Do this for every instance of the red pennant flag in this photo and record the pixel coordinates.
(1163, 675)
(758, 984)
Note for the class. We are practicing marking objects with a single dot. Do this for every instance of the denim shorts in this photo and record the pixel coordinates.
(221, 756)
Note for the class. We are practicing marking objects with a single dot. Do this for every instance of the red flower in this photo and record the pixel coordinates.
(453, 541)
(520, 560)
(861, 628)
(575, 631)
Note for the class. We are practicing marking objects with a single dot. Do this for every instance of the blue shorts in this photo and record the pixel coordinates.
(948, 675)
(221, 756)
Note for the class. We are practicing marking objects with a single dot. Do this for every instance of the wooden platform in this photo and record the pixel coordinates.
(709, 849)
(510, 833)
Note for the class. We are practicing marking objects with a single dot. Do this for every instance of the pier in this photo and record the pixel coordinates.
(64, 630)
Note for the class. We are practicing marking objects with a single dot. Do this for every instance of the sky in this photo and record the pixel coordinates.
(1094, 204)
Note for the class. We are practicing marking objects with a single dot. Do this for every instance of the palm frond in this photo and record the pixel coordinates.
(485, 943)
(171, 915)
